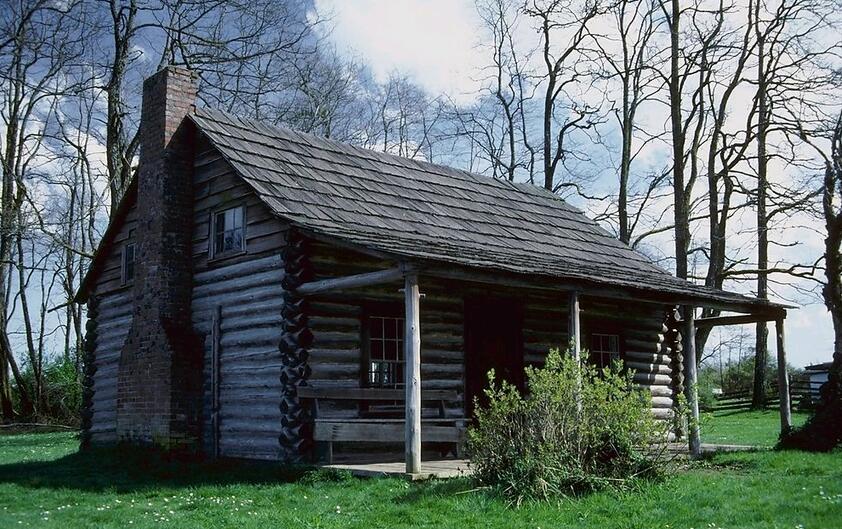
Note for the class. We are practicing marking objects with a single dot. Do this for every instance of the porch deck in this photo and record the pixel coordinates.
(437, 469)
(454, 468)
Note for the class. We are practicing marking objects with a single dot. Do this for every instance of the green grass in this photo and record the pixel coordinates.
(757, 428)
(44, 482)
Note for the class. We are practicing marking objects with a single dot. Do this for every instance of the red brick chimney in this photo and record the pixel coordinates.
(159, 382)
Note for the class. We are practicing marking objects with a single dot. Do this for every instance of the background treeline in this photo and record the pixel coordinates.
(706, 134)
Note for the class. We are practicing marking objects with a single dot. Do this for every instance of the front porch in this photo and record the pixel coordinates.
(661, 353)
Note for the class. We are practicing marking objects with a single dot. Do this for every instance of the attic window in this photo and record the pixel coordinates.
(127, 263)
(229, 231)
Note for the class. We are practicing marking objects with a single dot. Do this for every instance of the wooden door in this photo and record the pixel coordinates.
(493, 340)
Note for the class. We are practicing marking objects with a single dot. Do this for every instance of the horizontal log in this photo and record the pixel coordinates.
(651, 345)
(662, 413)
(658, 391)
(742, 319)
(646, 378)
(353, 281)
(662, 402)
(311, 392)
(642, 367)
(378, 432)
(649, 358)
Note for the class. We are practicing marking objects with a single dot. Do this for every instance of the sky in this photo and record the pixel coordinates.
(435, 42)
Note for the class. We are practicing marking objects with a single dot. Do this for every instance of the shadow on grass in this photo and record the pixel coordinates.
(125, 469)
(438, 488)
(746, 412)
(130, 469)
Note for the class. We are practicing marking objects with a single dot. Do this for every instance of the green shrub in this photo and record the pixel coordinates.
(578, 430)
(61, 392)
(707, 399)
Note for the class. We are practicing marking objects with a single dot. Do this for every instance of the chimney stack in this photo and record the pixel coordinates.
(159, 380)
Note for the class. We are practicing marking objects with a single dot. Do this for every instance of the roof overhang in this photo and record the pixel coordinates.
(752, 308)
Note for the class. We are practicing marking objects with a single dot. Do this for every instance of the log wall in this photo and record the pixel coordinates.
(335, 319)
(641, 327)
(113, 320)
(245, 291)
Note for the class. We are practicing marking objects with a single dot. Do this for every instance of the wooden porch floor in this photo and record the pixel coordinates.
(454, 468)
(438, 469)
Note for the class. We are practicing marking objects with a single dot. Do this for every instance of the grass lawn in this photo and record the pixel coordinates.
(44, 482)
(757, 428)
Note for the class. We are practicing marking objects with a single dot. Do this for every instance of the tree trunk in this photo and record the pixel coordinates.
(823, 430)
(682, 220)
(758, 400)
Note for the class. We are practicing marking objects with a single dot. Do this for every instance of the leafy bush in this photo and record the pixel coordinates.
(61, 392)
(579, 429)
(707, 398)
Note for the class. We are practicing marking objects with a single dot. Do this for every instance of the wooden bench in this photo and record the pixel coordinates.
(385, 429)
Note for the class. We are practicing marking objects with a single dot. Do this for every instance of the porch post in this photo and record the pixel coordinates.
(783, 379)
(412, 355)
(690, 382)
(574, 330)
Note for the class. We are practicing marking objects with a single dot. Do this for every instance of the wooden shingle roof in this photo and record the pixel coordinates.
(422, 211)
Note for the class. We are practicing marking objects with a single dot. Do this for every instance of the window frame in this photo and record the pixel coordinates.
(212, 231)
(379, 310)
(607, 331)
(124, 261)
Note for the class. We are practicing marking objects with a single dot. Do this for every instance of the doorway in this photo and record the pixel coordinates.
(493, 340)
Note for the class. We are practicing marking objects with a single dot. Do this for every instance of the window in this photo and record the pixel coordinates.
(127, 264)
(385, 352)
(605, 348)
(229, 231)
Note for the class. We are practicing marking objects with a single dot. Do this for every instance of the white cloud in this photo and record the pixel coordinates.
(434, 41)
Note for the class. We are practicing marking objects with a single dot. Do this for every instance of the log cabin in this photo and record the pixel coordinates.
(266, 294)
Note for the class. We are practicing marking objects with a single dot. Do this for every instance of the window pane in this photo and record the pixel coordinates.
(385, 368)
(128, 262)
(376, 348)
(391, 328)
(375, 328)
(237, 221)
(229, 231)
(605, 349)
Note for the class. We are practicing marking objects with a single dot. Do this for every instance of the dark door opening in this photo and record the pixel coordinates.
(493, 340)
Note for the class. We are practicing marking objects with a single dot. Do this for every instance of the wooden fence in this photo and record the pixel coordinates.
(801, 395)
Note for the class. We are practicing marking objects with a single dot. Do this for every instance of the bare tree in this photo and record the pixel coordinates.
(563, 26)
(33, 72)
(634, 26)
(823, 430)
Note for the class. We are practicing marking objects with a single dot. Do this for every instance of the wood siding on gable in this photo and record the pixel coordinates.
(246, 290)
